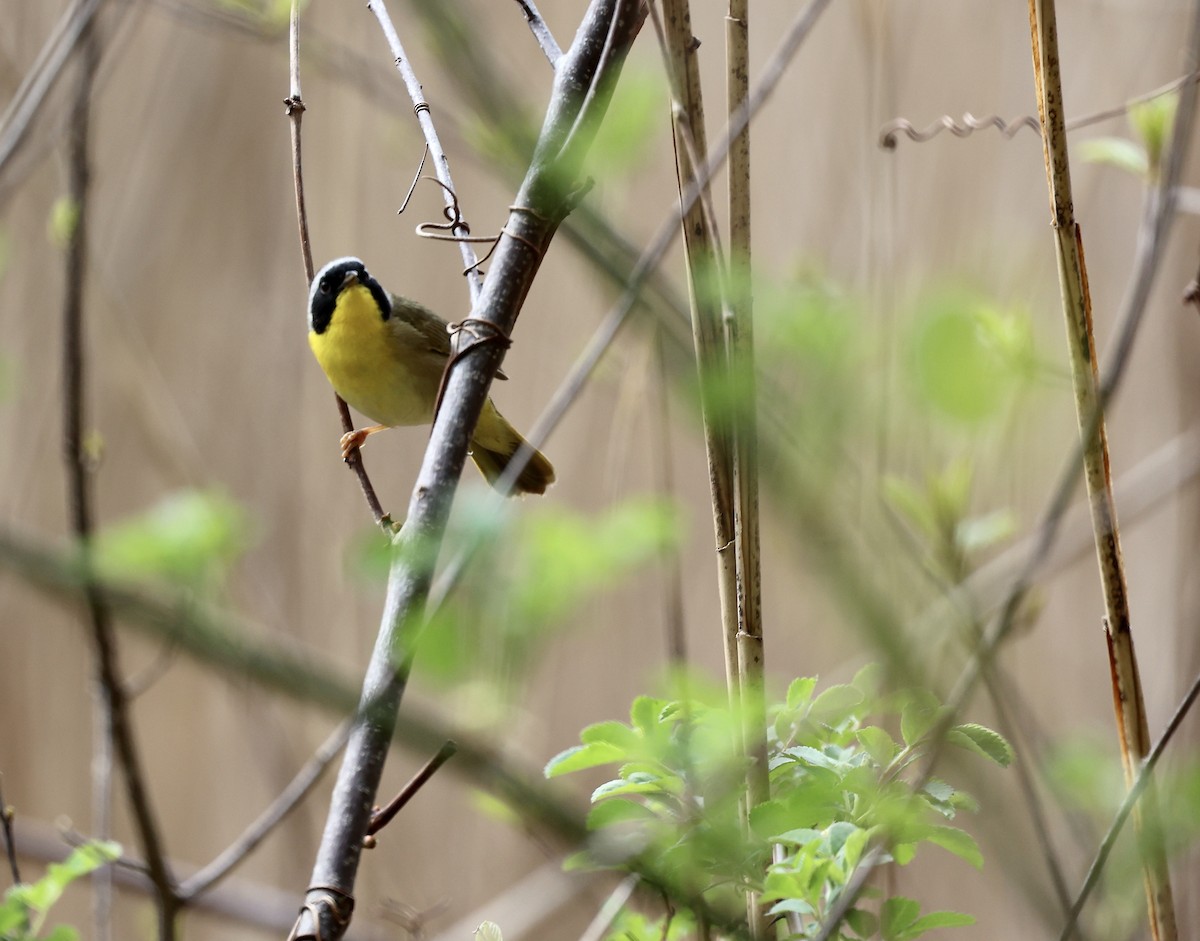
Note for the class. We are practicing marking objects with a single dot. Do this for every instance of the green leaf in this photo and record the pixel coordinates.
(637, 784)
(982, 532)
(862, 923)
(14, 914)
(953, 366)
(62, 933)
(612, 733)
(935, 920)
(958, 842)
(612, 813)
(41, 895)
(800, 690)
(795, 906)
(878, 744)
(645, 713)
(918, 716)
(852, 848)
(579, 757)
(897, 914)
(903, 853)
(939, 790)
(983, 741)
(488, 931)
(1153, 121)
(836, 704)
(1116, 152)
(801, 837)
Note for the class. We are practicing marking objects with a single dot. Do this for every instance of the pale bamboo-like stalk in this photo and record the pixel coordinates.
(738, 594)
(739, 334)
(687, 121)
(1132, 728)
(740, 337)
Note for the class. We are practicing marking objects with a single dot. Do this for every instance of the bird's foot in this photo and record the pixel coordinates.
(353, 440)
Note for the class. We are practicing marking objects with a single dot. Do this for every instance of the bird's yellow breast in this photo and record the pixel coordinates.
(365, 365)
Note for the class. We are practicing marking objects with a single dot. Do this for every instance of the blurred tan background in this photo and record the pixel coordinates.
(199, 376)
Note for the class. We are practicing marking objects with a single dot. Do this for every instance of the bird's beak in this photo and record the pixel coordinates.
(351, 278)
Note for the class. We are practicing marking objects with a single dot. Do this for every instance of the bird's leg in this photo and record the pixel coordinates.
(353, 440)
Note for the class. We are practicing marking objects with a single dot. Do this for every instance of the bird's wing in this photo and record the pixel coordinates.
(432, 328)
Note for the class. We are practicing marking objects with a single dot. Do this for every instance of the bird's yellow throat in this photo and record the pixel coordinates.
(355, 353)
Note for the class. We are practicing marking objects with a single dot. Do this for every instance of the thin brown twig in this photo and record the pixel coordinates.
(10, 841)
(79, 494)
(288, 799)
(294, 107)
(384, 815)
(1140, 783)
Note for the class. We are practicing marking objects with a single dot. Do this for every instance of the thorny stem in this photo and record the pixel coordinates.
(79, 496)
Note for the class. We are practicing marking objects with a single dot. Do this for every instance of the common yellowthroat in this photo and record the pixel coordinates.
(385, 355)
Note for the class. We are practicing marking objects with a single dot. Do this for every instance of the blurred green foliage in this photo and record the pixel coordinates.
(189, 539)
(964, 357)
(635, 117)
(26, 906)
(841, 783)
(939, 514)
(1085, 776)
(527, 573)
(64, 217)
(1152, 123)
(270, 15)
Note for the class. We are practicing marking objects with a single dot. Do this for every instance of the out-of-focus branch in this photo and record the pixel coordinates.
(1141, 782)
(79, 492)
(289, 798)
(18, 117)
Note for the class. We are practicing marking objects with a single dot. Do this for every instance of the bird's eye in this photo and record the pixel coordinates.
(323, 287)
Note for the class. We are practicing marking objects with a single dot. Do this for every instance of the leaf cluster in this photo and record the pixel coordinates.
(842, 783)
(26, 906)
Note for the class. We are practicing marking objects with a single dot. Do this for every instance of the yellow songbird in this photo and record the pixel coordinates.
(385, 355)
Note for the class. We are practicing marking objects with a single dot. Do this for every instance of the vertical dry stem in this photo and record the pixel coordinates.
(79, 492)
(1132, 728)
